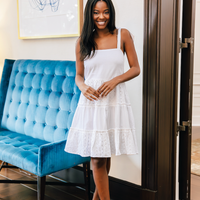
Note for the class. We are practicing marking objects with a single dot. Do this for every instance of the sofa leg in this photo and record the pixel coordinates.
(86, 167)
(41, 187)
(1, 165)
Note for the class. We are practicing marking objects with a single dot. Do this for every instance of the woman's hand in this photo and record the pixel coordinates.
(89, 92)
(107, 87)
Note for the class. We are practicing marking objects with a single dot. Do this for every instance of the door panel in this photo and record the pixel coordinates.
(186, 100)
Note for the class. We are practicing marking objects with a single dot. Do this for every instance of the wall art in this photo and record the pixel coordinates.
(49, 18)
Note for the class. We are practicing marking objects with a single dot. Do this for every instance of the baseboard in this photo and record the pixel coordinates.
(119, 189)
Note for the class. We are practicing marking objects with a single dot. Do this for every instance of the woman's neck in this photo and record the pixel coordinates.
(101, 33)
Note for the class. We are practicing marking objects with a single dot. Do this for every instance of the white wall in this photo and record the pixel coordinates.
(196, 81)
(129, 14)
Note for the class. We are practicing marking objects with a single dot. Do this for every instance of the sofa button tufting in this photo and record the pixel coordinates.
(42, 97)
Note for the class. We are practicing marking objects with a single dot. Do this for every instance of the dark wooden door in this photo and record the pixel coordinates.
(186, 99)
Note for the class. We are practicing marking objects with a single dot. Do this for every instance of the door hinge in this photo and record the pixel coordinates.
(184, 44)
(187, 189)
(182, 127)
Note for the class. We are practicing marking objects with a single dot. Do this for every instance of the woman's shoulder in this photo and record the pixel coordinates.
(78, 44)
(78, 41)
(124, 30)
(126, 34)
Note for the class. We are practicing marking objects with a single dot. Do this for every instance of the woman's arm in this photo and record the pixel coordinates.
(129, 48)
(87, 91)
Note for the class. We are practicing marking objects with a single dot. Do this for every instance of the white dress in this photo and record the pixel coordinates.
(106, 126)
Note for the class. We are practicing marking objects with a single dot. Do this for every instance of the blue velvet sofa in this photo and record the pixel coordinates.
(38, 99)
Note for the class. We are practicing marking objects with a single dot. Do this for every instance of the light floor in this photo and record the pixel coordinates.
(195, 180)
(195, 187)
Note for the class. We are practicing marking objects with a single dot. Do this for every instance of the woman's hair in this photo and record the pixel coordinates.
(87, 43)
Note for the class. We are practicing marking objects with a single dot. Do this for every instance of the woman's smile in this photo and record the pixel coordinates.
(101, 23)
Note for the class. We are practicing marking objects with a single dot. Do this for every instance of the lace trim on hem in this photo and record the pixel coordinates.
(103, 131)
(101, 156)
(102, 143)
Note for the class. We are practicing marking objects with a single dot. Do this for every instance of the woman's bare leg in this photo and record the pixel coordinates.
(108, 164)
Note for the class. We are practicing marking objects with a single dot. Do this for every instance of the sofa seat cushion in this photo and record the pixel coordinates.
(20, 150)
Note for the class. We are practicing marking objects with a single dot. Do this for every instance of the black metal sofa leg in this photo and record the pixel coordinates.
(86, 168)
(41, 187)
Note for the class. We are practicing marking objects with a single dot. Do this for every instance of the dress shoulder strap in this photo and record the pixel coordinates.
(119, 38)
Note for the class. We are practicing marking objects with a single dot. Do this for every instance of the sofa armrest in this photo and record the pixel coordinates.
(4, 83)
(53, 158)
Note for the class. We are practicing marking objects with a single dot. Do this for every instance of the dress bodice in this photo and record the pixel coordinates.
(106, 63)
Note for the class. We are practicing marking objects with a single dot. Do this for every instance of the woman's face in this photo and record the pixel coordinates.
(101, 15)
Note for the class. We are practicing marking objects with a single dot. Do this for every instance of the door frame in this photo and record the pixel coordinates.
(161, 49)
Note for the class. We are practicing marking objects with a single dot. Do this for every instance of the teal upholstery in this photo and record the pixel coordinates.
(37, 105)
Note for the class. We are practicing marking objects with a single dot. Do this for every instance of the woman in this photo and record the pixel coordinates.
(103, 123)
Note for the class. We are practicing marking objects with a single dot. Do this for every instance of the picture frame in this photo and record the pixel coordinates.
(49, 18)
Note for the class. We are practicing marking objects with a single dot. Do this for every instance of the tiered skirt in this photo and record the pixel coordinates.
(104, 127)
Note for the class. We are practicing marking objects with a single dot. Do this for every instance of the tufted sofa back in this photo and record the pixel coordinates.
(41, 99)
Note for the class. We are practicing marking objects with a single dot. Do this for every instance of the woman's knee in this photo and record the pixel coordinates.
(99, 162)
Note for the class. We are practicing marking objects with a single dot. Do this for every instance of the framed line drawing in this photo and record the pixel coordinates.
(49, 18)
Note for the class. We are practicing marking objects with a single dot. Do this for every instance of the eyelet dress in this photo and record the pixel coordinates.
(103, 127)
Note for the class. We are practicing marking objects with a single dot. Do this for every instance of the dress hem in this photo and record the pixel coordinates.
(101, 155)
